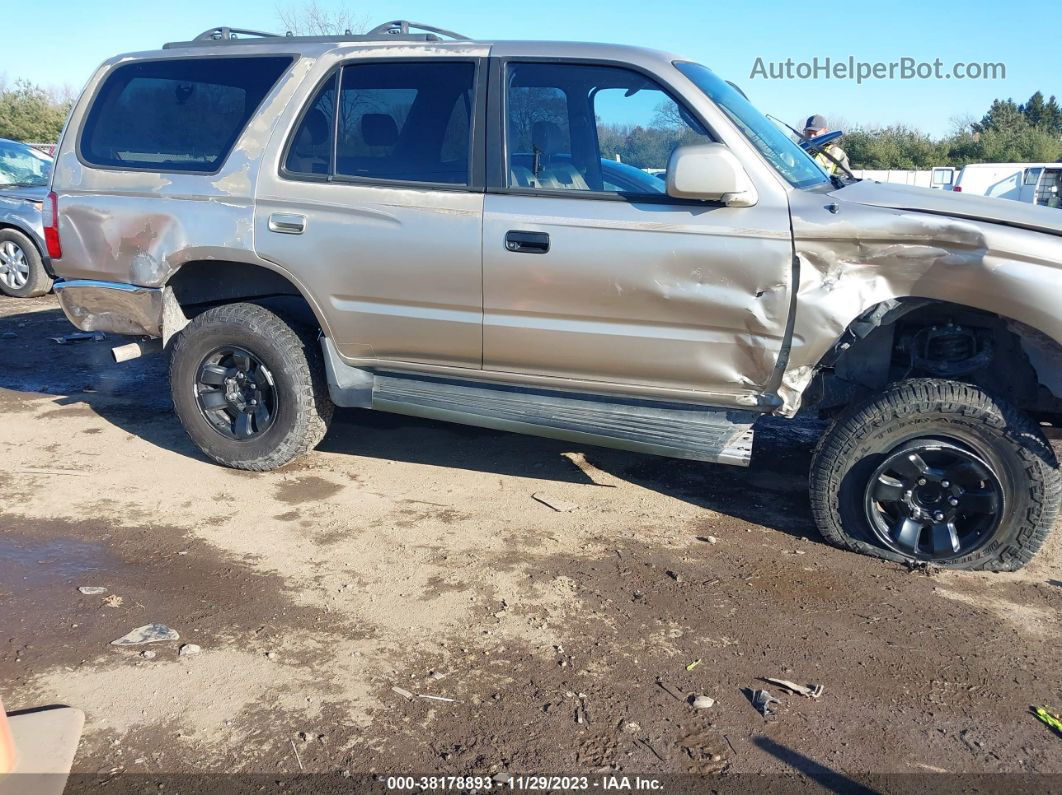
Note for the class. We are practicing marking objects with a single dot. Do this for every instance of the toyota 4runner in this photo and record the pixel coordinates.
(473, 231)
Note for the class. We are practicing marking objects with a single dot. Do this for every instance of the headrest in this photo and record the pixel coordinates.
(546, 137)
(379, 129)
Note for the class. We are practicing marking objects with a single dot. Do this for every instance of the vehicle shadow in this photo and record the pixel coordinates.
(827, 778)
(134, 396)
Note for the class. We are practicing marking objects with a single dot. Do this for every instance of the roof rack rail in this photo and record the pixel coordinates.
(225, 33)
(396, 29)
(402, 27)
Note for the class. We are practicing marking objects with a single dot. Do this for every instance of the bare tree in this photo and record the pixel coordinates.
(312, 19)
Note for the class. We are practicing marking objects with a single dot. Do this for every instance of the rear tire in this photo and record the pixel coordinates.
(939, 472)
(22, 273)
(249, 387)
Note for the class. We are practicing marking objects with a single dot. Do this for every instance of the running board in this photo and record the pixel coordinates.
(668, 429)
(677, 430)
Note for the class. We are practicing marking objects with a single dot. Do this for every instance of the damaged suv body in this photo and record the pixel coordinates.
(423, 224)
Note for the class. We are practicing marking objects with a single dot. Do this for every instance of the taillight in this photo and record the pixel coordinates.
(957, 189)
(51, 226)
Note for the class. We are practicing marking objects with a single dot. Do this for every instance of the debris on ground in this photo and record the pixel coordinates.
(188, 649)
(92, 590)
(669, 690)
(79, 336)
(561, 506)
(702, 702)
(810, 691)
(693, 664)
(402, 692)
(297, 757)
(271, 655)
(114, 600)
(1052, 719)
(433, 698)
(674, 575)
(762, 701)
(149, 633)
(148, 655)
(646, 744)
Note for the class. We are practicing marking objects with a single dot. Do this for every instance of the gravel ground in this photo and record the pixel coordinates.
(406, 559)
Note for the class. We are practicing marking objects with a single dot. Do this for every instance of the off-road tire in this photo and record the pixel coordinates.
(38, 282)
(292, 354)
(996, 431)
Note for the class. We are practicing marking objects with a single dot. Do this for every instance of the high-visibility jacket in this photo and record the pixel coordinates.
(837, 153)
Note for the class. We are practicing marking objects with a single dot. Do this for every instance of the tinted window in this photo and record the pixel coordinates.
(406, 121)
(595, 128)
(311, 147)
(176, 115)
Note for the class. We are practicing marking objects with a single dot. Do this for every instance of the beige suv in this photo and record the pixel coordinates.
(597, 243)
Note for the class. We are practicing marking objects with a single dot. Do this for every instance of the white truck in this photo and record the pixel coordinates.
(1031, 183)
(940, 178)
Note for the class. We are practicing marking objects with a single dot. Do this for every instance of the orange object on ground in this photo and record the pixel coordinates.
(7, 746)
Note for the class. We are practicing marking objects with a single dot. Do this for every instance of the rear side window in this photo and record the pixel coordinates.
(176, 115)
(406, 121)
(311, 148)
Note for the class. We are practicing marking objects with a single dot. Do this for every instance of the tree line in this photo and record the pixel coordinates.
(1009, 132)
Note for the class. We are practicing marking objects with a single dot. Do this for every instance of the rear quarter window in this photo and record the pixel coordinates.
(175, 114)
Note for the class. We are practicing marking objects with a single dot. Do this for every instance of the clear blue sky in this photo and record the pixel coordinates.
(61, 41)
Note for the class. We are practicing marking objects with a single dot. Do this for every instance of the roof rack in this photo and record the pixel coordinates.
(396, 29)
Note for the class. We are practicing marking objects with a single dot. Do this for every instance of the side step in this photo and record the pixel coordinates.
(668, 429)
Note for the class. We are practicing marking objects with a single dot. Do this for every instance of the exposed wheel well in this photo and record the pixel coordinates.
(202, 284)
(916, 337)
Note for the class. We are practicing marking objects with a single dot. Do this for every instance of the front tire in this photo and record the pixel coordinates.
(939, 472)
(249, 387)
(22, 273)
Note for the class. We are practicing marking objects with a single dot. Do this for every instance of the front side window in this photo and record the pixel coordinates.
(592, 128)
(406, 121)
(176, 115)
(23, 166)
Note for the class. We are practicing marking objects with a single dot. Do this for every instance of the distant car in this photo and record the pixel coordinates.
(24, 175)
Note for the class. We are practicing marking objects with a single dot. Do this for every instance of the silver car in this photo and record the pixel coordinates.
(455, 229)
(24, 174)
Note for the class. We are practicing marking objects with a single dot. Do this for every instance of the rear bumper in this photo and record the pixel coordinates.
(112, 307)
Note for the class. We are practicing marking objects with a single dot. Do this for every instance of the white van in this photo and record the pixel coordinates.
(1031, 183)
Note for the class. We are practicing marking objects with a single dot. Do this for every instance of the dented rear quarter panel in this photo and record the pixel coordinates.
(861, 255)
(139, 226)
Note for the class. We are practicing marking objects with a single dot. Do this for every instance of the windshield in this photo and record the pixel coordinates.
(790, 160)
(23, 166)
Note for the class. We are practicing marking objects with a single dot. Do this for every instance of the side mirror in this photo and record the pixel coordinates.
(710, 172)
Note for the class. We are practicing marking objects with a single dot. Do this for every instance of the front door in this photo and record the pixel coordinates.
(592, 274)
(377, 211)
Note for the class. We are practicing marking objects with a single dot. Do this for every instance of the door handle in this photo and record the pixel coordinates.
(287, 223)
(526, 242)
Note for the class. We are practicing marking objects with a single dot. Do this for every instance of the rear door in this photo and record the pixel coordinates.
(377, 207)
(591, 272)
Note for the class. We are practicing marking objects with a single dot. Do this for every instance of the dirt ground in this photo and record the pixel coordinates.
(406, 559)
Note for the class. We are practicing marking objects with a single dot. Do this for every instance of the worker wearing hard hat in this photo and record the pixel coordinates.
(816, 125)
